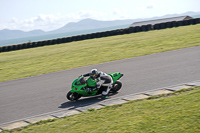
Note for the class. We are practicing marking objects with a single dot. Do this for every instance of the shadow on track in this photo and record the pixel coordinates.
(85, 102)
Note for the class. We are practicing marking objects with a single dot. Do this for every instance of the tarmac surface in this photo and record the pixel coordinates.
(46, 93)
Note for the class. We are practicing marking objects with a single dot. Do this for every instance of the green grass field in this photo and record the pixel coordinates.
(178, 112)
(41, 60)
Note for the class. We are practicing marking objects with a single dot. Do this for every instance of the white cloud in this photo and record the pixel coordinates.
(151, 6)
(119, 14)
(42, 21)
(48, 22)
(86, 14)
(116, 11)
(45, 22)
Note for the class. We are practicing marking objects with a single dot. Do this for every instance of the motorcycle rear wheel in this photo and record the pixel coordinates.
(73, 96)
(116, 86)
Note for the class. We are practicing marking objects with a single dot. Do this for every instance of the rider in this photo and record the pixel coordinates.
(103, 79)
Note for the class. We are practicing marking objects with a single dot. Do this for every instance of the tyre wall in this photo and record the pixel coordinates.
(128, 30)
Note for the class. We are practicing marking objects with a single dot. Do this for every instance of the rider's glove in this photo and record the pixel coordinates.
(88, 90)
(80, 76)
(93, 89)
(98, 86)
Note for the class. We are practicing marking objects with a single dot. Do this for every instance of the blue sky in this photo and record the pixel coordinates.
(52, 14)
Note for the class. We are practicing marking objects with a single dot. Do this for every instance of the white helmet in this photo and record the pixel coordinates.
(93, 73)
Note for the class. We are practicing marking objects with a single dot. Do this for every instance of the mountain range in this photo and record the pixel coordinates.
(86, 24)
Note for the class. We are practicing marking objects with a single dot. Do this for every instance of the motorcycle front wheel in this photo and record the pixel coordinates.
(73, 96)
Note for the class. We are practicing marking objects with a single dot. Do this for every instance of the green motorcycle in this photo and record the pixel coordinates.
(80, 85)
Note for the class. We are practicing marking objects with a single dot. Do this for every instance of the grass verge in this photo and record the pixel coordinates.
(41, 60)
(176, 112)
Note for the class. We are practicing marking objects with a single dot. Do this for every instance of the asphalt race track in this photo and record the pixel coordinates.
(41, 94)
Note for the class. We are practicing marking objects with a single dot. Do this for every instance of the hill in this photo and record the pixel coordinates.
(10, 34)
(88, 24)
